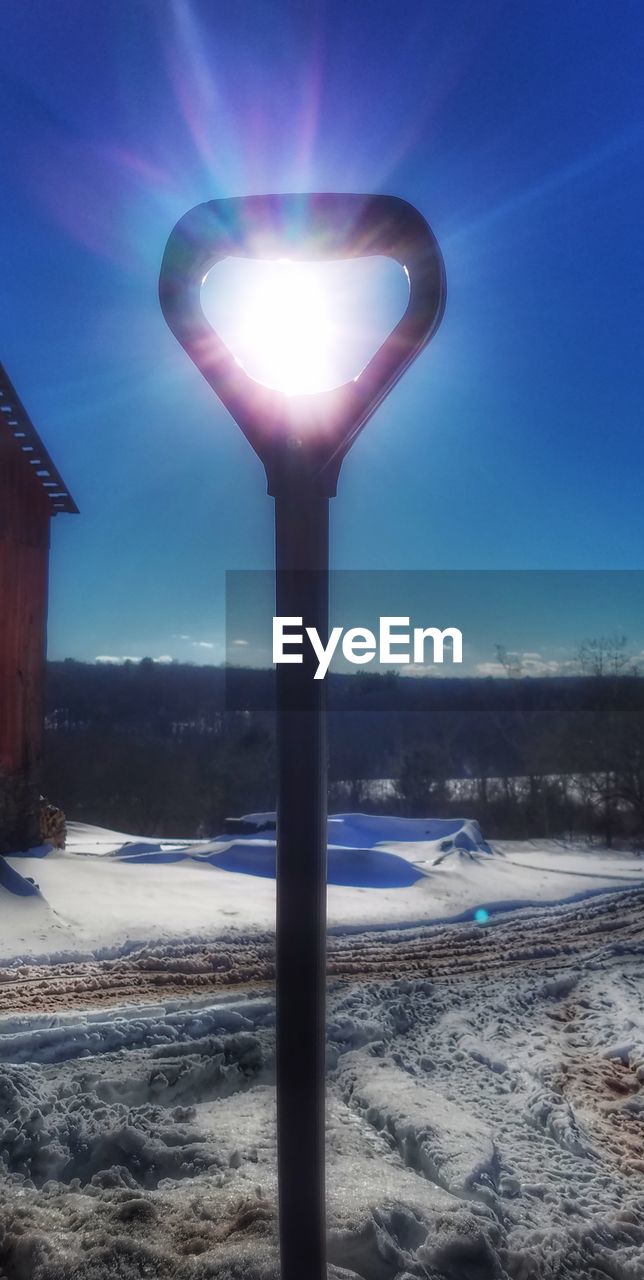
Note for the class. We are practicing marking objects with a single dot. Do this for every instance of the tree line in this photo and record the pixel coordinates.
(173, 750)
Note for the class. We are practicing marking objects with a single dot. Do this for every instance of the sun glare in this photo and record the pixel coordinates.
(302, 327)
(286, 331)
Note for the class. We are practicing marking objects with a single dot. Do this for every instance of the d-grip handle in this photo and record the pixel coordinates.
(307, 433)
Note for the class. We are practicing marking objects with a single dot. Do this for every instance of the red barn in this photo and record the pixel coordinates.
(31, 492)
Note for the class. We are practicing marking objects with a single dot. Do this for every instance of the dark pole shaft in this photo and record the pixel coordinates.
(302, 583)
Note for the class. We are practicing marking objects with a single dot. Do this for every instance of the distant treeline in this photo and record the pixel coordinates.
(149, 747)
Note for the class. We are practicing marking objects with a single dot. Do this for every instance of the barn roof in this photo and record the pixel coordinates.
(15, 421)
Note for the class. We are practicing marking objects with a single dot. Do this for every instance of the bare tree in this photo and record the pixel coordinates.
(608, 734)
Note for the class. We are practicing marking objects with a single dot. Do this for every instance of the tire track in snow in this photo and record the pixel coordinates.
(483, 1105)
(545, 938)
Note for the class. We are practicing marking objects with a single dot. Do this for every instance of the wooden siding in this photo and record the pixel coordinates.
(24, 552)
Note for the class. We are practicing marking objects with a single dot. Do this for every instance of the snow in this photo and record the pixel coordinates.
(483, 1120)
(13, 882)
(110, 890)
(485, 1089)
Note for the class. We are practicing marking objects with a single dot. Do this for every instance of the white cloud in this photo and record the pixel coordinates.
(537, 666)
(116, 659)
(241, 642)
(490, 669)
(203, 644)
(525, 664)
(421, 670)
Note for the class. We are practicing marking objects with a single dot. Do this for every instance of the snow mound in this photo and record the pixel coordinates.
(358, 830)
(14, 882)
(356, 857)
(357, 868)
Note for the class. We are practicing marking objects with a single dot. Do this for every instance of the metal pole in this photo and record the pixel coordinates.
(301, 441)
(302, 583)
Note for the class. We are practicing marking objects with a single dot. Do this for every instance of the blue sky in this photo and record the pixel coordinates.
(515, 441)
(542, 619)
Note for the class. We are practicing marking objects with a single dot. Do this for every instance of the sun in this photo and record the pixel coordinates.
(281, 330)
(288, 327)
(302, 327)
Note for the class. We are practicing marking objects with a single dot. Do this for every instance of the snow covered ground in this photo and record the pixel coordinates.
(109, 890)
(485, 1086)
(484, 1121)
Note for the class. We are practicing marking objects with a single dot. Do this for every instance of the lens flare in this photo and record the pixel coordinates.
(303, 327)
